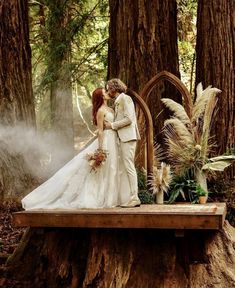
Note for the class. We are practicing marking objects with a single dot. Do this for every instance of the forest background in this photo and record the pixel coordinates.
(55, 53)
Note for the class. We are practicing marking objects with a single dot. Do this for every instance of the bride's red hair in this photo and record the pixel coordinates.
(97, 102)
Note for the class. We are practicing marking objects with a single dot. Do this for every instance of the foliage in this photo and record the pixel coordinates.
(146, 197)
(186, 22)
(68, 37)
(182, 187)
(200, 191)
(218, 163)
(142, 178)
(187, 10)
(187, 62)
(188, 136)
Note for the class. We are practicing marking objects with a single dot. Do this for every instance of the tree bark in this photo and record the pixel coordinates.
(215, 65)
(143, 42)
(16, 97)
(123, 258)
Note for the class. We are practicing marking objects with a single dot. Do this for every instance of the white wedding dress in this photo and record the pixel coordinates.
(76, 186)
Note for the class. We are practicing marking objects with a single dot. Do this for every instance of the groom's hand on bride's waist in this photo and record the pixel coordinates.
(107, 125)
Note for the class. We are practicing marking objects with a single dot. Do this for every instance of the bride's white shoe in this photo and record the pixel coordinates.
(131, 203)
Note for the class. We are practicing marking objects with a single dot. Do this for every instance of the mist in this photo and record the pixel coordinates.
(43, 152)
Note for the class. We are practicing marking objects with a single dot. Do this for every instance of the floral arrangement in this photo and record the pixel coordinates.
(188, 136)
(160, 179)
(97, 158)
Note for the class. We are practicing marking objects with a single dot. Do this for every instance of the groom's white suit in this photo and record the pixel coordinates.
(126, 125)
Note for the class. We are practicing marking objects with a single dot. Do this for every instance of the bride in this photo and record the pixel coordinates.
(75, 185)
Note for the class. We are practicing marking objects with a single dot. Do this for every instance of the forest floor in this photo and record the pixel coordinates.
(9, 239)
(9, 235)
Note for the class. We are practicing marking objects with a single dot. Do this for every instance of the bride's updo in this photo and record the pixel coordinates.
(97, 102)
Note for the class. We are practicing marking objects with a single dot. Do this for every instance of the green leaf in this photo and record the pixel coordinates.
(182, 193)
(222, 157)
(173, 196)
(217, 166)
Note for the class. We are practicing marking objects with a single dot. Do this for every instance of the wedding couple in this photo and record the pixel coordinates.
(115, 182)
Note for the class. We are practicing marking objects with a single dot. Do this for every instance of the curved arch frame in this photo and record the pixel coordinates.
(164, 75)
(149, 129)
(143, 98)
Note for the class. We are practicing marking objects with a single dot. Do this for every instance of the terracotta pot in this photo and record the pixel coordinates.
(202, 199)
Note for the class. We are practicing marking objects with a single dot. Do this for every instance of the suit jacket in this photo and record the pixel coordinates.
(125, 119)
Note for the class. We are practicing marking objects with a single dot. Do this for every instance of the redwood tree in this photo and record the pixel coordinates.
(16, 97)
(215, 64)
(143, 42)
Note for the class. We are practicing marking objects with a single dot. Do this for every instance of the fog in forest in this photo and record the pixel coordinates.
(42, 152)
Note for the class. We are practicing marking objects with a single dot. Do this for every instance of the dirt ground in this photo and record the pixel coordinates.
(9, 235)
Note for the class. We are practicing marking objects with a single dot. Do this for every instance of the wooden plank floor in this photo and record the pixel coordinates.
(176, 216)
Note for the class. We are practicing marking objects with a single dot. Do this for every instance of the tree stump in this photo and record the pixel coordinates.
(116, 258)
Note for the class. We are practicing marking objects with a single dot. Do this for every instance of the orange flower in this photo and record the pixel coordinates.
(97, 158)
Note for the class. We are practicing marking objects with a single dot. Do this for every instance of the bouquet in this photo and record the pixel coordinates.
(97, 158)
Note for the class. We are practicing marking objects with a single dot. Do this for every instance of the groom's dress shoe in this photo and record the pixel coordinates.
(131, 203)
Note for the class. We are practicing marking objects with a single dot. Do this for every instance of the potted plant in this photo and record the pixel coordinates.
(188, 138)
(202, 194)
(160, 181)
(182, 187)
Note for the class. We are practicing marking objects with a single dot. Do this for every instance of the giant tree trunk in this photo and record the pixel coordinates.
(215, 65)
(59, 72)
(115, 258)
(16, 97)
(143, 42)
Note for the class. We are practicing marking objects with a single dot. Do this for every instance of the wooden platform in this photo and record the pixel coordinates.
(177, 216)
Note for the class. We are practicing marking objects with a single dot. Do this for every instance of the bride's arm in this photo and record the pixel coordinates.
(100, 126)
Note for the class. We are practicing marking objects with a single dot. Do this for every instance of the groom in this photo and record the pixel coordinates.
(126, 125)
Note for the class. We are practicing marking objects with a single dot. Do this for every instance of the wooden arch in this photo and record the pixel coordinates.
(142, 100)
(164, 75)
(149, 128)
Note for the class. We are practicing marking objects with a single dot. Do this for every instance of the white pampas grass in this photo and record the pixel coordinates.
(203, 96)
(184, 136)
(160, 179)
(177, 109)
(180, 130)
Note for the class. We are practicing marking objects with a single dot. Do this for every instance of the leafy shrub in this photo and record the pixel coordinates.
(142, 178)
(183, 188)
(146, 197)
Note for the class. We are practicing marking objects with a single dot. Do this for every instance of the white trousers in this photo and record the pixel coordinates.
(128, 158)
